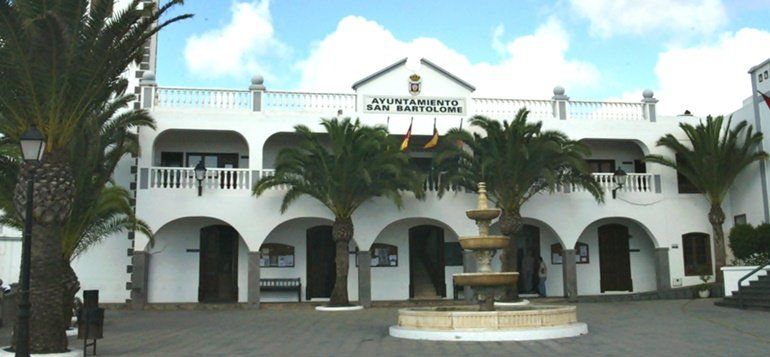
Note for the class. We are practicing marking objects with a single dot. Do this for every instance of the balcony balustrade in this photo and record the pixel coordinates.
(330, 103)
(182, 178)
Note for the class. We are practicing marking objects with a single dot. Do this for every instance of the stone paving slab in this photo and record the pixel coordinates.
(640, 328)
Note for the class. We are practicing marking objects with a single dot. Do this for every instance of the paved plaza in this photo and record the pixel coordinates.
(649, 328)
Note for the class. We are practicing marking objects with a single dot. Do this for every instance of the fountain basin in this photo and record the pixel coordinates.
(467, 323)
(483, 214)
(486, 279)
(479, 242)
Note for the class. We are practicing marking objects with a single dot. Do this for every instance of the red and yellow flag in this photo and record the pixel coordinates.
(434, 140)
(405, 142)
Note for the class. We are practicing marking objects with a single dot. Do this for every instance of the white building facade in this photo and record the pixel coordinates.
(219, 245)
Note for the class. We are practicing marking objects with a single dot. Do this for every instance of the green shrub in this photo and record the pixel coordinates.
(750, 245)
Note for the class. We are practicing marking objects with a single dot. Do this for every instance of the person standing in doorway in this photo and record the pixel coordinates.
(542, 273)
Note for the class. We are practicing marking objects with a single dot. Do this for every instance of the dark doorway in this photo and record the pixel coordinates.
(614, 260)
(320, 262)
(527, 262)
(218, 277)
(426, 262)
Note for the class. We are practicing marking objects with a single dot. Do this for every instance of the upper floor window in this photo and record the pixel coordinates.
(601, 166)
(684, 184)
(697, 254)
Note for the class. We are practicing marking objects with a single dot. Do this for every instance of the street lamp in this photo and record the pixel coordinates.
(200, 174)
(620, 179)
(32, 144)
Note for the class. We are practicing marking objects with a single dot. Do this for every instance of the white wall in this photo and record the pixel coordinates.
(174, 272)
(294, 233)
(10, 259)
(392, 283)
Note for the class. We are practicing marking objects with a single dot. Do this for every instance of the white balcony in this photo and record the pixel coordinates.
(242, 180)
(308, 102)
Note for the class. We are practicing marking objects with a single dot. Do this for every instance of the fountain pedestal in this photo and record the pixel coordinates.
(483, 322)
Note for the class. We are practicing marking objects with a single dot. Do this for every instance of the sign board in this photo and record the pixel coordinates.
(414, 105)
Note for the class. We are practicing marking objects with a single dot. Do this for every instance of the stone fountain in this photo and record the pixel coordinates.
(485, 321)
(486, 284)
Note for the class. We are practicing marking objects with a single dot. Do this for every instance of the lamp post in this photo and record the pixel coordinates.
(200, 174)
(620, 179)
(32, 144)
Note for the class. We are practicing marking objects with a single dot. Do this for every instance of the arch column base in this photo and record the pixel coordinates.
(569, 269)
(662, 270)
(253, 296)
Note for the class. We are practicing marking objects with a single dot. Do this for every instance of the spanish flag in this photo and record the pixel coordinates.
(405, 143)
(434, 140)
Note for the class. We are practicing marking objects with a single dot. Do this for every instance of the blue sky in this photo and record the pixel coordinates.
(693, 53)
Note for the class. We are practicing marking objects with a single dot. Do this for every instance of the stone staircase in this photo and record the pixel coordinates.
(423, 286)
(755, 295)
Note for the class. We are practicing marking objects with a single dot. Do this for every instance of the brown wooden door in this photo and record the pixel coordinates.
(218, 276)
(320, 262)
(614, 260)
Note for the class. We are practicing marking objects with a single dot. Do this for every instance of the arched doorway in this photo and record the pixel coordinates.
(321, 254)
(426, 262)
(218, 268)
(528, 262)
(615, 255)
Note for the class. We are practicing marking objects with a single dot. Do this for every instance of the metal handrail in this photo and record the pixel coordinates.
(741, 280)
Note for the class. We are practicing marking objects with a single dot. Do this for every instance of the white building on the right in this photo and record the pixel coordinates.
(749, 194)
(748, 197)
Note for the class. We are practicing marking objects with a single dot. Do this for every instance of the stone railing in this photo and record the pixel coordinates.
(309, 102)
(634, 183)
(509, 107)
(605, 110)
(183, 178)
(258, 99)
(198, 98)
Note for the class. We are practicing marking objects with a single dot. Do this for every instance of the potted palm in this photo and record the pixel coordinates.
(704, 288)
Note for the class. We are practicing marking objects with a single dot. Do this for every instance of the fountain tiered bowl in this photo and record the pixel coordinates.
(485, 322)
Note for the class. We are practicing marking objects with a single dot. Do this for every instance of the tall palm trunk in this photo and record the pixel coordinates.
(342, 233)
(717, 219)
(71, 287)
(510, 224)
(52, 198)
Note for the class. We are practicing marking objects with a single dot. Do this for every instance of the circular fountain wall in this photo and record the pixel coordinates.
(467, 323)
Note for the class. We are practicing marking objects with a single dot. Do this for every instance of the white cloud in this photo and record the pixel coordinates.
(234, 49)
(638, 17)
(710, 79)
(531, 66)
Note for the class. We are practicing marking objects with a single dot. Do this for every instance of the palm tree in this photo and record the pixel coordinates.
(100, 209)
(517, 160)
(352, 165)
(61, 61)
(716, 154)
